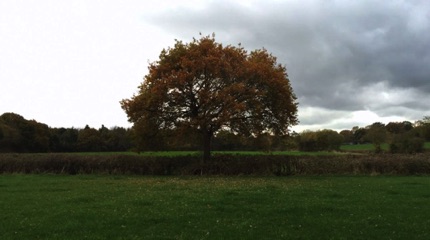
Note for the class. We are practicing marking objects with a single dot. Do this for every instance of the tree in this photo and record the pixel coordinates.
(394, 127)
(21, 135)
(376, 134)
(64, 139)
(399, 127)
(348, 136)
(423, 127)
(358, 134)
(322, 140)
(210, 87)
(329, 140)
(11, 138)
(118, 139)
(406, 143)
(307, 141)
(1, 131)
(89, 140)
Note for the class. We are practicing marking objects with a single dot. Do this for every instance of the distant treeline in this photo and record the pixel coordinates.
(401, 137)
(20, 135)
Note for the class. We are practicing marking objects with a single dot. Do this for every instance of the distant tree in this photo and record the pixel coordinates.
(423, 128)
(399, 127)
(64, 139)
(11, 139)
(307, 141)
(407, 126)
(329, 140)
(376, 134)
(21, 135)
(208, 87)
(322, 140)
(40, 137)
(14, 141)
(348, 136)
(406, 143)
(89, 140)
(104, 134)
(118, 139)
(358, 135)
(394, 127)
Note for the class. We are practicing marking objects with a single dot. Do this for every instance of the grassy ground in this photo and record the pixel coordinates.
(186, 153)
(368, 147)
(371, 147)
(363, 147)
(132, 207)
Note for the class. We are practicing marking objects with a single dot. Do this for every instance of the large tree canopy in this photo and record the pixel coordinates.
(206, 86)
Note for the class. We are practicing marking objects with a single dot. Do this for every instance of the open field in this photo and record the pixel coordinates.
(197, 153)
(362, 147)
(133, 207)
(367, 147)
(370, 147)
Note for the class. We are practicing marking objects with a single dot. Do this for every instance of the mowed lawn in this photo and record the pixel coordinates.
(142, 207)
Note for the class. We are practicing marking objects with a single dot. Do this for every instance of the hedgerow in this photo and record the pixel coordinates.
(269, 165)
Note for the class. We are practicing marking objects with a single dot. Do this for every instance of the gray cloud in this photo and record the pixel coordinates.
(341, 55)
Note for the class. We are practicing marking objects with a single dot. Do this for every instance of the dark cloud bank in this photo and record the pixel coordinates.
(341, 56)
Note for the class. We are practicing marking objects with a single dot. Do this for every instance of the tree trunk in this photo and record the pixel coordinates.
(207, 138)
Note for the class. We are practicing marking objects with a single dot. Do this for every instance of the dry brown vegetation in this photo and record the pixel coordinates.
(264, 165)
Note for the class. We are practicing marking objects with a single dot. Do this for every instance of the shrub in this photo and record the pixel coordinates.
(403, 143)
(323, 140)
(279, 165)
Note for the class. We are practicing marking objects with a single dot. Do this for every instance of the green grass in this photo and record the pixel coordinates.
(187, 153)
(149, 153)
(132, 207)
(371, 147)
(363, 147)
(288, 153)
(358, 147)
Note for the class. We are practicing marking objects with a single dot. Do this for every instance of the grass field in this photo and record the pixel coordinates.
(187, 153)
(132, 207)
(371, 147)
(363, 147)
(367, 147)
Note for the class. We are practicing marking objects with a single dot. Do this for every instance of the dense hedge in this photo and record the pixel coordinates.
(220, 165)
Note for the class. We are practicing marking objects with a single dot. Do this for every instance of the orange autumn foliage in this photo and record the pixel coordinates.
(206, 86)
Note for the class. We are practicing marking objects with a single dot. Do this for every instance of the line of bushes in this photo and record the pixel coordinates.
(219, 165)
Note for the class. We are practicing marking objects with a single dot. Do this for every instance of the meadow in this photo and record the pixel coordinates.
(344, 149)
(143, 207)
(214, 153)
(368, 147)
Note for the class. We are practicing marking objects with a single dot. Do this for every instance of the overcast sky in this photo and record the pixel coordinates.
(351, 63)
